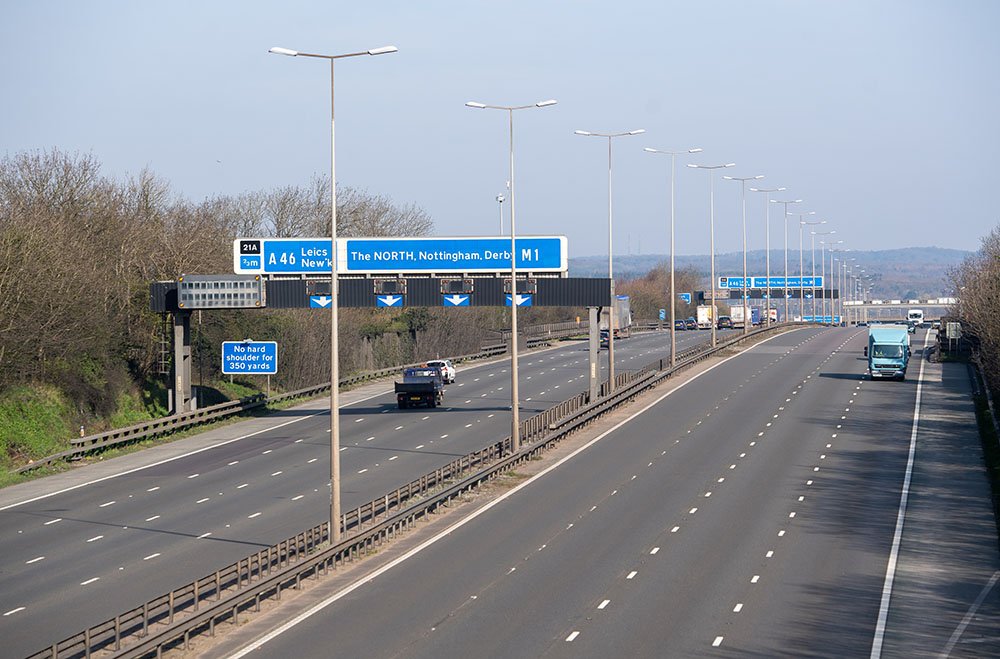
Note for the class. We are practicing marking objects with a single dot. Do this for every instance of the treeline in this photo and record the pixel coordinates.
(977, 282)
(78, 251)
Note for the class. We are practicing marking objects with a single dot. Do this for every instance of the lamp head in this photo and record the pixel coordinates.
(278, 50)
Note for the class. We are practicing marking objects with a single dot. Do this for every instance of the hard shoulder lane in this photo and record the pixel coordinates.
(193, 501)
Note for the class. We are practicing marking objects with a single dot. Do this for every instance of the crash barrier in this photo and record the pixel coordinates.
(197, 607)
(112, 438)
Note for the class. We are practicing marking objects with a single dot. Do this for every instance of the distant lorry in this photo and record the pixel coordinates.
(623, 317)
(704, 316)
(888, 351)
(736, 312)
(421, 385)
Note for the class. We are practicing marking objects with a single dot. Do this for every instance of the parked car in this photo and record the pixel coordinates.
(691, 323)
(447, 369)
(725, 322)
(679, 324)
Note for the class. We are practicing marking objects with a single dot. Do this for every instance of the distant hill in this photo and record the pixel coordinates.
(910, 272)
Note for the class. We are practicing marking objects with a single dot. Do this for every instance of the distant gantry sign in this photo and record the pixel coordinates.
(375, 256)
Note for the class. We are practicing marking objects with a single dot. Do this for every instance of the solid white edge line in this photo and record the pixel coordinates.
(890, 568)
(347, 590)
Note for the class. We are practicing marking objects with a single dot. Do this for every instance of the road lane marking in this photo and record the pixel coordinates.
(204, 535)
(240, 487)
(755, 578)
(717, 642)
(13, 611)
(52, 521)
(904, 496)
(151, 556)
(89, 581)
(692, 511)
(95, 538)
(572, 637)
(654, 551)
(393, 458)
(150, 519)
(369, 577)
(296, 498)
(631, 575)
(738, 607)
(267, 451)
(105, 505)
(35, 560)
(309, 462)
(154, 489)
(202, 500)
(418, 447)
(603, 605)
(277, 473)
(769, 554)
(254, 515)
(363, 471)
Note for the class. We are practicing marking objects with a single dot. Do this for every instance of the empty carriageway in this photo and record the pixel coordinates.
(77, 557)
(712, 522)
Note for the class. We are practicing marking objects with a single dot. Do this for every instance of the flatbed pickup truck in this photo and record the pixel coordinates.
(421, 385)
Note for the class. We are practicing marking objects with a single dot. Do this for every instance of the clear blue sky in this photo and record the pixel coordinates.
(884, 116)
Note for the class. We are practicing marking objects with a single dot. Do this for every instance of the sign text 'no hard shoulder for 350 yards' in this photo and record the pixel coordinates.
(303, 256)
(249, 357)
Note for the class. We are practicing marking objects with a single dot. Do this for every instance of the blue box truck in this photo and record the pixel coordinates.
(888, 351)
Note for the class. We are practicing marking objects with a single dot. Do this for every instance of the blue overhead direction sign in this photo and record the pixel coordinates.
(455, 300)
(488, 254)
(471, 254)
(289, 256)
(249, 357)
(523, 300)
(776, 282)
(388, 300)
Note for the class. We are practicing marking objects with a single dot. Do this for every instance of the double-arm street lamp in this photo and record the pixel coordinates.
(335, 531)
(743, 201)
(767, 246)
(822, 273)
(515, 421)
(812, 242)
(711, 231)
(611, 276)
(673, 294)
(785, 216)
(802, 274)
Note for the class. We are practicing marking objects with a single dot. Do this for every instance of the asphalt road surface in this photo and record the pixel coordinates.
(79, 557)
(751, 512)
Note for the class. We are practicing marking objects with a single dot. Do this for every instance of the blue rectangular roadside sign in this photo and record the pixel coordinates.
(304, 256)
(250, 357)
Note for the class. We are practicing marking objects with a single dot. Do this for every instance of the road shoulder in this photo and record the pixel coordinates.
(946, 599)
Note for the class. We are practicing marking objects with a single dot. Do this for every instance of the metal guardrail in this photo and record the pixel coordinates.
(156, 427)
(172, 618)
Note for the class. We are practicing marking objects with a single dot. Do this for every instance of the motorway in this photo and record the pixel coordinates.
(748, 513)
(79, 557)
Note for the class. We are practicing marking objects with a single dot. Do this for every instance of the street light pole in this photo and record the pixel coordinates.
(822, 267)
(802, 274)
(743, 202)
(611, 276)
(515, 417)
(785, 216)
(673, 293)
(767, 245)
(335, 530)
(711, 231)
